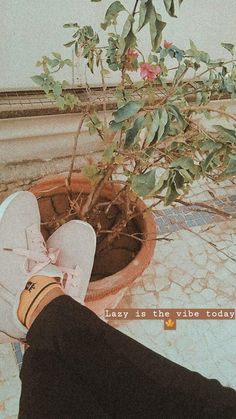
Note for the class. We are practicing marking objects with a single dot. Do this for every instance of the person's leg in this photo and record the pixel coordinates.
(26, 268)
(49, 389)
(77, 362)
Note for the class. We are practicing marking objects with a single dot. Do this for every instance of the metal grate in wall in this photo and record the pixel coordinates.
(15, 104)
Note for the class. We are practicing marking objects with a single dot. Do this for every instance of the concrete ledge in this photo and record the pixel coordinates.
(33, 147)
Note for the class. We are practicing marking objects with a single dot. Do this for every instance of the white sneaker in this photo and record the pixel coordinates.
(77, 243)
(23, 254)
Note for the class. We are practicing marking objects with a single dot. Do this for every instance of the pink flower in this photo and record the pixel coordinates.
(149, 72)
(131, 54)
(167, 44)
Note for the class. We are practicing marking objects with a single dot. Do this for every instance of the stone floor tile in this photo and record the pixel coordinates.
(231, 266)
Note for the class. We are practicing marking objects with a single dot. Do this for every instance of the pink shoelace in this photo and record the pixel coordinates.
(43, 256)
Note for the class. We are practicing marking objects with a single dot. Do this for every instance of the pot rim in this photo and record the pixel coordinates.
(123, 278)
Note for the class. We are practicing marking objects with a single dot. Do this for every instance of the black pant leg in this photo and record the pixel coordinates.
(126, 379)
(49, 391)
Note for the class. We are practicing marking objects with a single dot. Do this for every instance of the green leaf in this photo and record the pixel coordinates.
(90, 171)
(210, 145)
(180, 72)
(178, 181)
(171, 194)
(185, 163)
(228, 135)
(56, 55)
(204, 57)
(95, 119)
(77, 52)
(69, 44)
(193, 46)
(170, 7)
(57, 89)
(111, 14)
(127, 39)
(93, 123)
(130, 41)
(127, 26)
(208, 163)
(53, 63)
(104, 72)
(230, 169)
(132, 132)
(90, 62)
(162, 181)
(126, 111)
(144, 184)
(176, 113)
(65, 84)
(158, 125)
(60, 102)
(229, 85)
(173, 52)
(156, 28)
(68, 62)
(154, 127)
(175, 186)
(38, 80)
(145, 12)
(202, 98)
(70, 25)
(186, 175)
(115, 126)
(108, 153)
(71, 101)
(229, 47)
(199, 56)
(111, 53)
(163, 119)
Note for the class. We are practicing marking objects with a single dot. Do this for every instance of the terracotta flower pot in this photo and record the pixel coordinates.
(116, 284)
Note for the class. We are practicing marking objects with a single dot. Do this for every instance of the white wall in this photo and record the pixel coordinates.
(32, 28)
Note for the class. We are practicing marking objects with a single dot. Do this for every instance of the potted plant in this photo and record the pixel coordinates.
(155, 145)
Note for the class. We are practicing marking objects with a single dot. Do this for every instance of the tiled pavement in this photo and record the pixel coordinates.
(193, 269)
(9, 383)
(182, 217)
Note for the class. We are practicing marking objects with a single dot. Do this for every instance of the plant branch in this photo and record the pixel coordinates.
(104, 87)
(203, 205)
(76, 138)
(135, 7)
(206, 207)
(199, 109)
(133, 236)
(204, 72)
(94, 194)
